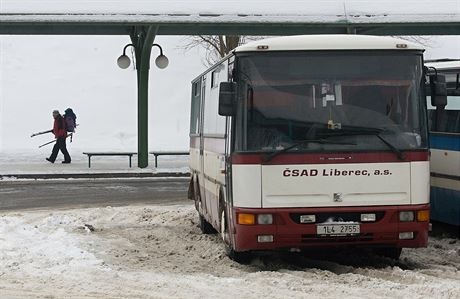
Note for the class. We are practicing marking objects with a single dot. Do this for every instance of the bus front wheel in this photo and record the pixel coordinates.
(243, 257)
(206, 227)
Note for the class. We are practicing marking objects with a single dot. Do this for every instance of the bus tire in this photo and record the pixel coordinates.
(389, 252)
(197, 196)
(191, 190)
(206, 227)
(194, 196)
(241, 257)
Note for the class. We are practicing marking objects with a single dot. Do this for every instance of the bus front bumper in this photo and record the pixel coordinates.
(287, 232)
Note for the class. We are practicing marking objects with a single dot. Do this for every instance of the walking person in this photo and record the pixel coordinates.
(60, 133)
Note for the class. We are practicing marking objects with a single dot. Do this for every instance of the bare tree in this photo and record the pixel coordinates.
(216, 46)
(425, 41)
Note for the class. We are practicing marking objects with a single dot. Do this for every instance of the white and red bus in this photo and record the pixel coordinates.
(310, 141)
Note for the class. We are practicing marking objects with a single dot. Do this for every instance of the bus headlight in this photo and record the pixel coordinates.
(265, 219)
(406, 216)
(265, 238)
(368, 217)
(406, 236)
(307, 218)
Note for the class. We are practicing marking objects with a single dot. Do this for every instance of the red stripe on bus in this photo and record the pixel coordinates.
(194, 141)
(215, 145)
(211, 144)
(329, 158)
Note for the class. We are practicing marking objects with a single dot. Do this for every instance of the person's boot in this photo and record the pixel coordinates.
(49, 160)
(65, 162)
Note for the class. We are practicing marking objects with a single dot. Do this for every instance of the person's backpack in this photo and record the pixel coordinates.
(70, 120)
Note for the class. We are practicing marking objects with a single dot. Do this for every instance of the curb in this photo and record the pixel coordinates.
(94, 175)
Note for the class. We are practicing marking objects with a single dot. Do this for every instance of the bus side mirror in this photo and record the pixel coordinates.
(227, 97)
(438, 88)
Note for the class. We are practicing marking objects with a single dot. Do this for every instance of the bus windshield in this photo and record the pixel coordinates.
(354, 100)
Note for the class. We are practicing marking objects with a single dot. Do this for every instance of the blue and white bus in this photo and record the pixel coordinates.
(445, 146)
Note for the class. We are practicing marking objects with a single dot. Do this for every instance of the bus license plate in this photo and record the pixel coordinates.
(337, 229)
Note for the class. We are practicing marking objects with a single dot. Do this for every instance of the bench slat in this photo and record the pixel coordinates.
(90, 154)
(110, 153)
(130, 154)
(167, 153)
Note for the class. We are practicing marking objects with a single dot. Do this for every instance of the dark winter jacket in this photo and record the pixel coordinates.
(69, 113)
(59, 127)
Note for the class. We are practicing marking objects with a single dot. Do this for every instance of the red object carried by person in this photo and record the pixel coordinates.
(59, 129)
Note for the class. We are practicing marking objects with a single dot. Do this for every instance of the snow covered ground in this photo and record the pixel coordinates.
(159, 252)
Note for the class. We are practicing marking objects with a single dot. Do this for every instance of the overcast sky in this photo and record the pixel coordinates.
(42, 73)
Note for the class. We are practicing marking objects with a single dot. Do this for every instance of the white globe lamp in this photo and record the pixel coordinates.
(162, 61)
(123, 61)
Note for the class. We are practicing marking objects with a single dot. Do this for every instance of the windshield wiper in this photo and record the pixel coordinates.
(321, 141)
(368, 131)
(397, 151)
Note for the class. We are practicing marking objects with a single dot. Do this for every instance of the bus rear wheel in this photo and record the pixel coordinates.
(196, 196)
(205, 227)
(241, 257)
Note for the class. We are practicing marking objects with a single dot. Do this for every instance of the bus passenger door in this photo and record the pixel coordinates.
(227, 170)
(201, 176)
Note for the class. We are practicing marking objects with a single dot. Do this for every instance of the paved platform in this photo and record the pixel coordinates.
(34, 166)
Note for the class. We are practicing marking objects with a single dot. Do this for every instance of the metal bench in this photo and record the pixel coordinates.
(167, 153)
(90, 154)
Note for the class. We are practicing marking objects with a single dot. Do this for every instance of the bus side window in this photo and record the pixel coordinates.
(453, 121)
(448, 119)
(195, 109)
(431, 113)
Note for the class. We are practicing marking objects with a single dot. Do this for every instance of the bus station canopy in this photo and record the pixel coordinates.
(142, 20)
(238, 17)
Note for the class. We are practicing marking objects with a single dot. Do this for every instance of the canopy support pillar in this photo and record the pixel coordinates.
(142, 38)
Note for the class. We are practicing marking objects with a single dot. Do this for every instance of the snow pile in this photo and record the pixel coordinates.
(159, 252)
(42, 251)
(242, 11)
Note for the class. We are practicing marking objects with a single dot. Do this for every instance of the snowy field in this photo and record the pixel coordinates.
(159, 252)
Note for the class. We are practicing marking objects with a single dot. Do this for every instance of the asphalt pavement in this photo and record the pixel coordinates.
(78, 193)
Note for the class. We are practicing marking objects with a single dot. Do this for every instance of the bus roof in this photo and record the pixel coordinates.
(328, 42)
(444, 65)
